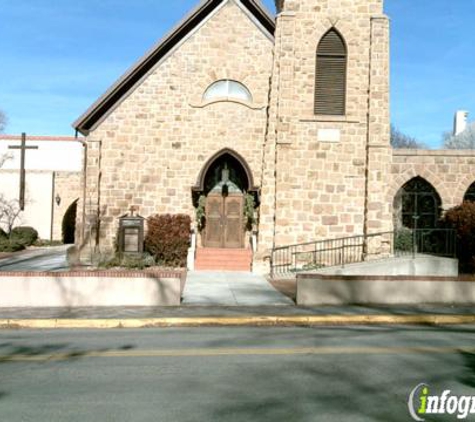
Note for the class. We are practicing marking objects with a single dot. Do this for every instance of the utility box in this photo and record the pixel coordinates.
(131, 235)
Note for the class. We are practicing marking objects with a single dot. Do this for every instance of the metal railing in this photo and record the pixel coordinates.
(350, 250)
(438, 242)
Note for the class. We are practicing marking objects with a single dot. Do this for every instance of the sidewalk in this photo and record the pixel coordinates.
(231, 316)
(208, 288)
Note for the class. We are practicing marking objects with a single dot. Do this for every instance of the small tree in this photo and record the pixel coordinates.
(462, 219)
(464, 140)
(4, 158)
(401, 140)
(9, 213)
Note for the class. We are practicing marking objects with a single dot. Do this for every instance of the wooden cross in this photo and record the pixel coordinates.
(23, 149)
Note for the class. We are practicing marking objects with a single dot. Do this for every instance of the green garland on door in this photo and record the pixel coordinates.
(201, 212)
(249, 208)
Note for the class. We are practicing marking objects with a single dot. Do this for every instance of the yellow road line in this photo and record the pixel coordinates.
(235, 352)
(314, 320)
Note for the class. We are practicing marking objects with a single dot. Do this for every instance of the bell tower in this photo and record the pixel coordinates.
(327, 153)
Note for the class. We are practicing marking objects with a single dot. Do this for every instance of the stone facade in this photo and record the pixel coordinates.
(318, 177)
(450, 172)
(327, 186)
(150, 149)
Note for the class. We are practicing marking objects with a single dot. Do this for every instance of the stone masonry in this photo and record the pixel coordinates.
(320, 177)
(329, 170)
(149, 150)
(450, 172)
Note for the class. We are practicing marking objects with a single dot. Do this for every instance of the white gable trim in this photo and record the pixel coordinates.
(256, 22)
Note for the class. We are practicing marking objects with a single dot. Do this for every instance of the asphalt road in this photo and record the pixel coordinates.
(221, 374)
(51, 259)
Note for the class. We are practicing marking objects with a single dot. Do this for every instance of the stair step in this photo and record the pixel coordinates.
(223, 259)
(246, 254)
(223, 265)
(219, 258)
(227, 258)
(246, 268)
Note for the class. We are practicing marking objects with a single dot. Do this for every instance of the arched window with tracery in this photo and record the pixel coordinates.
(330, 75)
(417, 204)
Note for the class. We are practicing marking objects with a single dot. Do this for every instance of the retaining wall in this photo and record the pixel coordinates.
(323, 289)
(422, 265)
(78, 289)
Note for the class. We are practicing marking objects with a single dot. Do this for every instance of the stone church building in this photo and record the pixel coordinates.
(276, 129)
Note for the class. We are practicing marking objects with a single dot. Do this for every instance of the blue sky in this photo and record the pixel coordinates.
(58, 56)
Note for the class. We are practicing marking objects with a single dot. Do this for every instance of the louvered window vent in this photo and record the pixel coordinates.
(330, 76)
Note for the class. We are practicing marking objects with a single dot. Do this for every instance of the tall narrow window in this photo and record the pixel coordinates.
(330, 76)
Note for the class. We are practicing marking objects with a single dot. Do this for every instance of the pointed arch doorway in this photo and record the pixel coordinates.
(223, 184)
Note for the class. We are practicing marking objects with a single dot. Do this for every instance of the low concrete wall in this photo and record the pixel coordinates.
(75, 289)
(422, 265)
(323, 289)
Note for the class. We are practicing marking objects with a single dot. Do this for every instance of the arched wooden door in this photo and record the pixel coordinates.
(224, 221)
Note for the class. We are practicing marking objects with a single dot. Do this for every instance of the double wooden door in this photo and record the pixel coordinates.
(224, 221)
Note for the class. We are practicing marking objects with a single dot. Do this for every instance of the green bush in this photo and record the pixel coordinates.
(131, 262)
(168, 239)
(3, 234)
(138, 262)
(109, 262)
(24, 235)
(403, 240)
(7, 245)
(462, 219)
(47, 243)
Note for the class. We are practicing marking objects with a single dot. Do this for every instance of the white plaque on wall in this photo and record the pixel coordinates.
(329, 135)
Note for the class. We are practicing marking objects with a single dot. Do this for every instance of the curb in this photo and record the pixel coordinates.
(253, 321)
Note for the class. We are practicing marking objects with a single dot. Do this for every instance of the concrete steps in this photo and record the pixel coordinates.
(216, 259)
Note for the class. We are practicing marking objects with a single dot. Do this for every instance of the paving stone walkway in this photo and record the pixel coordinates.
(207, 288)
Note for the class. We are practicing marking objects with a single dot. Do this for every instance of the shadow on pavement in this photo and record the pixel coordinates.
(10, 352)
(469, 377)
(14, 353)
(295, 394)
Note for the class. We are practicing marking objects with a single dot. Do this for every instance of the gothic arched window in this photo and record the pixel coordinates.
(227, 89)
(470, 194)
(330, 75)
(418, 203)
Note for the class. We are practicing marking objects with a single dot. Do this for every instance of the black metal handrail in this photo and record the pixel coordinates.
(350, 250)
